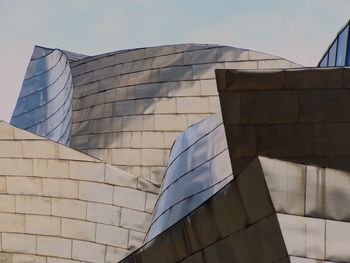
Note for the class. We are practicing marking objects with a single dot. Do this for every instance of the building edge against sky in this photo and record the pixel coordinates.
(126, 108)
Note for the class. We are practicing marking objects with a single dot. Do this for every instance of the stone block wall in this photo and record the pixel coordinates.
(59, 205)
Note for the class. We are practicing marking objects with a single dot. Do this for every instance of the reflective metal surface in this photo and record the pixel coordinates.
(199, 166)
(44, 106)
(338, 52)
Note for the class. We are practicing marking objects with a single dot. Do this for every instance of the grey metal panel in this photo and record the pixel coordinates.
(44, 106)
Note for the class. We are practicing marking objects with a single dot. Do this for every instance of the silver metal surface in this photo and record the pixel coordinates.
(44, 106)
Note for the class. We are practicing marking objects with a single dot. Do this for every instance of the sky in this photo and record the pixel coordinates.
(298, 30)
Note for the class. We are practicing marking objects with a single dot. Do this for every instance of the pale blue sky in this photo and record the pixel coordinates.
(298, 30)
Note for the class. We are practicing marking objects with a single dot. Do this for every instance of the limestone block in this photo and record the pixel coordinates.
(148, 140)
(11, 149)
(60, 260)
(88, 251)
(118, 177)
(51, 168)
(43, 225)
(124, 156)
(159, 105)
(70, 154)
(168, 60)
(132, 123)
(20, 243)
(24, 185)
(151, 90)
(115, 254)
(192, 105)
(126, 139)
(194, 118)
(78, 229)
(33, 205)
(11, 166)
(7, 203)
(200, 56)
(96, 192)
(214, 104)
(6, 131)
(106, 214)
(146, 186)
(206, 71)
(169, 138)
(151, 200)
(167, 122)
(241, 65)
(24, 135)
(112, 235)
(3, 185)
(22, 258)
(271, 64)
(12, 223)
(40, 149)
(69, 208)
(128, 197)
(54, 246)
(184, 88)
(135, 239)
(87, 171)
(152, 157)
(135, 219)
(5, 257)
(148, 122)
(60, 188)
(176, 73)
(208, 87)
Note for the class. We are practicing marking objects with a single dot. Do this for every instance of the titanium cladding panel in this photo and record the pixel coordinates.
(300, 115)
(44, 106)
(199, 166)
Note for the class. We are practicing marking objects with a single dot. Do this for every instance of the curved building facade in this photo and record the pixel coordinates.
(44, 106)
(160, 163)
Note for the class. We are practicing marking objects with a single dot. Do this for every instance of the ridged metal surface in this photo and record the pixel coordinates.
(44, 106)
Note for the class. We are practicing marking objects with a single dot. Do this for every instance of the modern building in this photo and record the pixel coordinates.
(179, 153)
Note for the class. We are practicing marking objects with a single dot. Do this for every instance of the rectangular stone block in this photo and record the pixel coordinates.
(176, 73)
(24, 185)
(95, 192)
(170, 122)
(152, 157)
(112, 235)
(128, 197)
(24, 135)
(6, 131)
(136, 220)
(54, 246)
(168, 60)
(119, 177)
(208, 87)
(151, 200)
(33, 205)
(7, 203)
(40, 149)
(135, 239)
(12, 223)
(271, 64)
(3, 185)
(10, 149)
(114, 254)
(184, 88)
(69, 208)
(132, 123)
(124, 156)
(200, 56)
(241, 65)
(11, 166)
(60, 188)
(106, 214)
(214, 104)
(88, 251)
(78, 229)
(206, 71)
(43, 225)
(87, 171)
(51, 168)
(66, 153)
(159, 105)
(18, 243)
(22, 258)
(192, 105)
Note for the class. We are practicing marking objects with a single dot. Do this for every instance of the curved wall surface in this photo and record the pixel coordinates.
(44, 106)
(129, 106)
(199, 166)
(58, 205)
